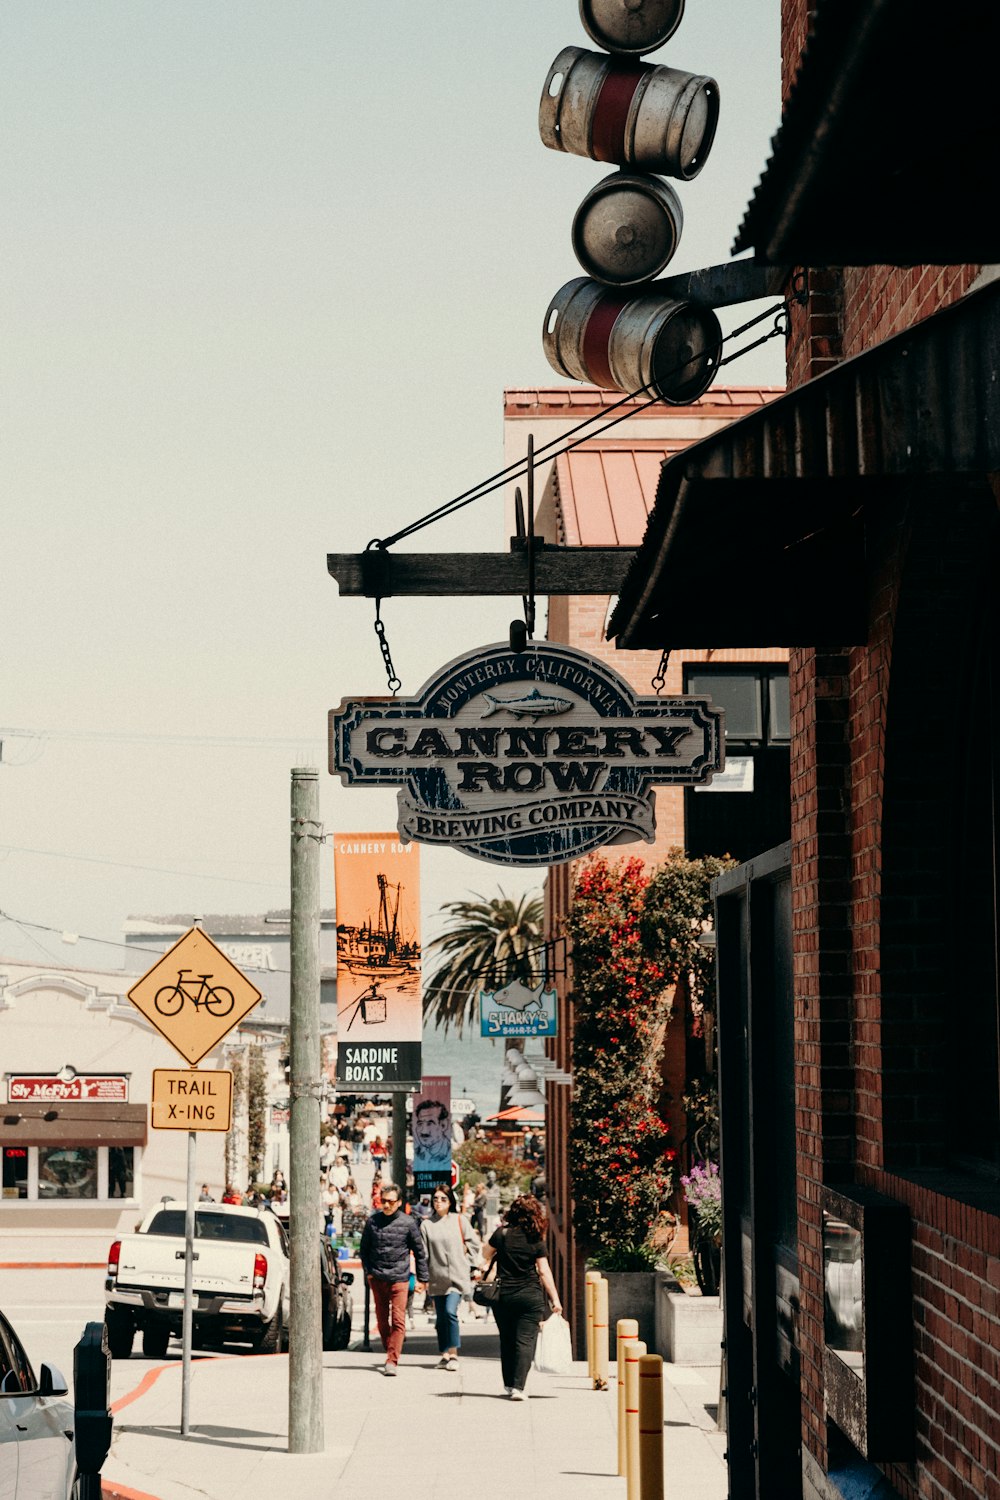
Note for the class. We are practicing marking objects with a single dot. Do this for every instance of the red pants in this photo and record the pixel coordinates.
(390, 1310)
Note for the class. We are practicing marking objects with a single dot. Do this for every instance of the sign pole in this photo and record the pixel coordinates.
(305, 1361)
(399, 1140)
(188, 1316)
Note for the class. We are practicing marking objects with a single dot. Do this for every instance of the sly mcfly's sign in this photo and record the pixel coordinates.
(526, 758)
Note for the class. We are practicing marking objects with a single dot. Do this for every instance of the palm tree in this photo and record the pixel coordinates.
(491, 940)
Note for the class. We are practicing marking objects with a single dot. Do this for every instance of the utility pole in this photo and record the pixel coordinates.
(305, 1362)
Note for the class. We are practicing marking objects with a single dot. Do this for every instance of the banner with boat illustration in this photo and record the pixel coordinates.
(379, 1011)
(527, 757)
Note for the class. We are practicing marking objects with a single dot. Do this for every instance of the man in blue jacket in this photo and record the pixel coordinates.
(389, 1237)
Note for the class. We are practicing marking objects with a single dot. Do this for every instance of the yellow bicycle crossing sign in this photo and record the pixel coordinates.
(194, 995)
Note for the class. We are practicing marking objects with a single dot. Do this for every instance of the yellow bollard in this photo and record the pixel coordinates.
(588, 1295)
(634, 1350)
(626, 1329)
(600, 1335)
(651, 1427)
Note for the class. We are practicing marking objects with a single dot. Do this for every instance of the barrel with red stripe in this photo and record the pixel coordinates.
(636, 114)
(648, 343)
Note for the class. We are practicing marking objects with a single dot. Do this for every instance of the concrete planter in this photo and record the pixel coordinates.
(632, 1294)
(688, 1330)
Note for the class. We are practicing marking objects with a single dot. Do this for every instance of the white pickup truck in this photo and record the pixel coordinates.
(240, 1280)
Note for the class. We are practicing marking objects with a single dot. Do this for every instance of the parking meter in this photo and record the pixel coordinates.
(93, 1419)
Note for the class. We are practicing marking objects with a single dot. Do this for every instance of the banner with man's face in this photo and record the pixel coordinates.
(431, 1131)
(379, 1014)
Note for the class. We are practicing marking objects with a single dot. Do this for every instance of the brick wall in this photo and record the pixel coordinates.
(870, 849)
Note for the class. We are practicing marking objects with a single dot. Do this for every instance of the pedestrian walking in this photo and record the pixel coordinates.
(389, 1238)
(527, 1290)
(453, 1248)
(479, 1210)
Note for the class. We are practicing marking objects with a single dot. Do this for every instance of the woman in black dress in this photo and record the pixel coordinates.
(527, 1290)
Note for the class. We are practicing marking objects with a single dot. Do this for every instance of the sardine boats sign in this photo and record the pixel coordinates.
(526, 758)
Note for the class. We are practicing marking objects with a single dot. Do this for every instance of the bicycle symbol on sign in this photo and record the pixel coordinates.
(169, 1000)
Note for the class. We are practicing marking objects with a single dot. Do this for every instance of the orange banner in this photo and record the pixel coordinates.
(379, 1010)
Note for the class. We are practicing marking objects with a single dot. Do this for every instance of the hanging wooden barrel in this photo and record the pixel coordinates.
(632, 26)
(627, 229)
(638, 115)
(649, 343)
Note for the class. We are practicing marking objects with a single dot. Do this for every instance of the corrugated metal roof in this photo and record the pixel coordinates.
(757, 535)
(888, 142)
(607, 490)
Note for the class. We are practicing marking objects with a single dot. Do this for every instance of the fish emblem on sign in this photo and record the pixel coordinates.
(530, 706)
(526, 758)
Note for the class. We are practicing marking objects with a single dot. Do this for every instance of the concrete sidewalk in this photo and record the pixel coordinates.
(429, 1428)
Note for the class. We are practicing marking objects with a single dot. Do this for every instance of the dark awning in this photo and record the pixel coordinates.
(889, 141)
(89, 1123)
(757, 535)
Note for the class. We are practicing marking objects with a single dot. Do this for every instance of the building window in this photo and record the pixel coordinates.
(70, 1173)
(15, 1172)
(121, 1171)
(747, 809)
(67, 1171)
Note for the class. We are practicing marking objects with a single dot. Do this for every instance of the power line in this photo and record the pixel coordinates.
(23, 927)
(136, 737)
(90, 859)
(82, 937)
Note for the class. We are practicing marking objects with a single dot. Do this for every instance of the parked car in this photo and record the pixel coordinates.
(337, 1301)
(37, 1458)
(240, 1280)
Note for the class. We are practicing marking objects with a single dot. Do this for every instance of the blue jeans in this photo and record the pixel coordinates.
(448, 1333)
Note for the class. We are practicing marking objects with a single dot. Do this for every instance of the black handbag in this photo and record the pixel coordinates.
(487, 1291)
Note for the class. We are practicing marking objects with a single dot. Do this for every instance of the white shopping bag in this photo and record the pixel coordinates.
(554, 1350)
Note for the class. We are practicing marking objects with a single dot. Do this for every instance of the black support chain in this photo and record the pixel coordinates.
(659, 681)
(390, 671)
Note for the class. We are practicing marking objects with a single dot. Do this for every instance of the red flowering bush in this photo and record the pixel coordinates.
(621, 1162)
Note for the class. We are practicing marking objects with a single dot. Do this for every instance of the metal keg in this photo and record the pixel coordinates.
(650, 343)
(633, 26)
(627, 228)
(649, 118)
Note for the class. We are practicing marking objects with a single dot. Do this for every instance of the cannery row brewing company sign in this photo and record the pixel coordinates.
(526, 758)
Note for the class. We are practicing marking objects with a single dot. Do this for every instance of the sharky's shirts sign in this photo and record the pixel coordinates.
(526, 758)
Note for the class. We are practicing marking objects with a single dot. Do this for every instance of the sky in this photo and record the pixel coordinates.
(268, 269)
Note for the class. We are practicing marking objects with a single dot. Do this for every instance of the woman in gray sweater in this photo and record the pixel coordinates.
(453, 1247)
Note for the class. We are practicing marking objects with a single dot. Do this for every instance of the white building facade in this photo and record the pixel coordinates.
(81, 1163)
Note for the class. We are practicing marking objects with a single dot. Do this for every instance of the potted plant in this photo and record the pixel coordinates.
(703, 1194)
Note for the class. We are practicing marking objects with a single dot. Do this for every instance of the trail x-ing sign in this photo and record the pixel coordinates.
(526, 758)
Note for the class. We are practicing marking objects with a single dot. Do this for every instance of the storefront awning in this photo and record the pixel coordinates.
(757, 537)
(889, 141)
(90, 1123)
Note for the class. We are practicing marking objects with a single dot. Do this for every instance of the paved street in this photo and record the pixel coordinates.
(559, 1443)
